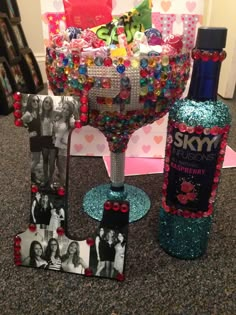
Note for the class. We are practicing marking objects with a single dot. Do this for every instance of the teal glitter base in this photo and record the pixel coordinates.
(184, 238)
(94, 200)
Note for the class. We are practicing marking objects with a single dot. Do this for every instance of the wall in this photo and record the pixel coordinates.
(218, 13)
(30, 12)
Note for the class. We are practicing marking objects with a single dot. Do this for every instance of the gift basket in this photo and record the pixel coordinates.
(125, 75)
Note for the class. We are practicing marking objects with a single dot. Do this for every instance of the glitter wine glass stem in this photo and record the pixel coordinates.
(117, 190)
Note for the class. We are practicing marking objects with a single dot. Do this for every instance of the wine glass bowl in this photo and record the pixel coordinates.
(118, 95)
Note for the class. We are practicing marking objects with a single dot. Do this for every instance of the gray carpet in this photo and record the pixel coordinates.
(156, 283)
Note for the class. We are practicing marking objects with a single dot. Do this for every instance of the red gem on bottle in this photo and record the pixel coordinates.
(17, 96)
(88, 272)
(164, 192)
(17, 240)
(226, 128)
(198, 130)
(18, 123)
(32, 227)
(196, 54)
(199, 214)
(222, 55)
(78, 124)
(176, 124)
(167, 209)
(220, 159)
(90, 241)
(61, 191)
(182, 127)
(107, 205)
(120, 277)
(190, 129)
(124, 207)
(186, 214)
(205, 56)
(215, 56)
(174, 211)
(215, 130)
(34, 188)
(107, 62)
(217, 173)
(60, 231)
(116, 206)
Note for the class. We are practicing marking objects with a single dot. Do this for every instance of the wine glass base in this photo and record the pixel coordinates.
(95, 198)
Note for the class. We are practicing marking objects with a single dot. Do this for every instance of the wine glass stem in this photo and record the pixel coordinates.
(117, 188)
(117, 170)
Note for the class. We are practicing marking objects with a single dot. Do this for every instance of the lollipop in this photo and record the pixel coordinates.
(154, 37)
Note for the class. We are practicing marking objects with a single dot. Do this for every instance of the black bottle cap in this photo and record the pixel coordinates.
(211, 37)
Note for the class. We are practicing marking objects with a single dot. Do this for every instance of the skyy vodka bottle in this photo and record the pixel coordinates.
(197, 133)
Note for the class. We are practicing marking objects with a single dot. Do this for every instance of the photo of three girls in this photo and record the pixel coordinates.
(47, 212)
(110, 249)
(51, 258)
(49, 120)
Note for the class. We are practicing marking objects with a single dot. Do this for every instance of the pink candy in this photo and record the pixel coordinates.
(175, 41)
(168, 50)
(89, 36)
(78, 43)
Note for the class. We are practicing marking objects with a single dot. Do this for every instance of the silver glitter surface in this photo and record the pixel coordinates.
(111, 73)
(184, 238)
(117, 169)
(94, 200)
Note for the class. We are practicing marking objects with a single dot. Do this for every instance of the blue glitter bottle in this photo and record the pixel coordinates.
(196, 141)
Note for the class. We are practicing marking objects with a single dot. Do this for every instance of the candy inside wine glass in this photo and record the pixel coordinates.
(120, 89)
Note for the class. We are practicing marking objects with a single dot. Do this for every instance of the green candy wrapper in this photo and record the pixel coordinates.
(138, 19)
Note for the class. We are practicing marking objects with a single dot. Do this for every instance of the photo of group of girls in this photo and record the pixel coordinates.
(108, 255)
(49, 120)
(103, 254)
(48, 251)
(47, 211)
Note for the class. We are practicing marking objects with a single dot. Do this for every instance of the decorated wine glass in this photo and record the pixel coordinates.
(118, 94)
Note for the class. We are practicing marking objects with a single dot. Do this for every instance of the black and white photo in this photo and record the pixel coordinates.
(46, 250)
(48, 120)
